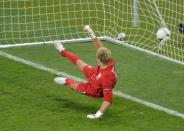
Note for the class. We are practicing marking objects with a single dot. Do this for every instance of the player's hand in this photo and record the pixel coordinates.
(98, 115)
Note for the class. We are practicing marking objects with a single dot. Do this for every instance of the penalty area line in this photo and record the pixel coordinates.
(117, 93)
(149, 104)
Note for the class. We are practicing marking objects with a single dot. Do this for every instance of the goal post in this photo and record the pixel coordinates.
(135, 20)
(42, 21)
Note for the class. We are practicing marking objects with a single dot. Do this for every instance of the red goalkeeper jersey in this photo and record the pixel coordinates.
(100, 81)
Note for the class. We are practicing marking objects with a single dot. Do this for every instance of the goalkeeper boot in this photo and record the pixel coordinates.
(90, 32)
(60, 80)
(58, 45)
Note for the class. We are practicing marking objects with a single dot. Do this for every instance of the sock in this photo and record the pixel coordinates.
(69, 81)
(72, 57)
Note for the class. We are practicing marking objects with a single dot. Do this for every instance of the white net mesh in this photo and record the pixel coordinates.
(28, 21)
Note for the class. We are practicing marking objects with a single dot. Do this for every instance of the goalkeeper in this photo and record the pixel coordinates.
(100, 79)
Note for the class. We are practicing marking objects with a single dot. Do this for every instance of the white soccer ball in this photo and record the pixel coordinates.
(121, 36)
(163, 34)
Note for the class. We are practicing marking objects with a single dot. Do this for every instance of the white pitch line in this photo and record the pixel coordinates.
(149, 104)
(38, 66)
(117, 93)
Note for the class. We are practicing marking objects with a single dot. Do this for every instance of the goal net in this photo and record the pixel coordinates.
(33, 21)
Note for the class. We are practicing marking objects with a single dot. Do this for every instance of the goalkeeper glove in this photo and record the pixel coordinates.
(58, 45)
(95, 116)
(90, 32)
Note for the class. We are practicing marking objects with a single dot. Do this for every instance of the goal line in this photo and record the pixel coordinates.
(104, 38)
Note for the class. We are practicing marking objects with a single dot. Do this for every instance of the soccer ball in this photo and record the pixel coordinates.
(163, 34)
(121, 36)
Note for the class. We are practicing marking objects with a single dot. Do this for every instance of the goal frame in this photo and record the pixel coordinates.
(135, 23)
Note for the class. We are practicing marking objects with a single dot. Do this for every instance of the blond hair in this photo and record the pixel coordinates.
(104, 55)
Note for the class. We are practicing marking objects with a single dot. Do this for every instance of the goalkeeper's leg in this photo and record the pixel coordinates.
(92, 35)
(67, 81)
(80, 87)
(69, 55)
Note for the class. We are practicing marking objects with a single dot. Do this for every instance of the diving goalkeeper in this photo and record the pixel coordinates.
(100, 79)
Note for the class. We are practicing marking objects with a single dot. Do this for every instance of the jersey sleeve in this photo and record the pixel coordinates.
(108, 83)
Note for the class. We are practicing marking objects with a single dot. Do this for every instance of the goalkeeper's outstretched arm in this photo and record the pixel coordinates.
(98, 42)
(91, 34)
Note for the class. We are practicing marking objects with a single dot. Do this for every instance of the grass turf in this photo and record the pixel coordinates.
(140, 75)
(30, 100)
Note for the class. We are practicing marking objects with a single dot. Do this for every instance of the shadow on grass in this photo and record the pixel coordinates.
(75, 105)
(85, 107)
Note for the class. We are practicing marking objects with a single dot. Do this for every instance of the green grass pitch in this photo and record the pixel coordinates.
(30, 100)
(26, 21)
